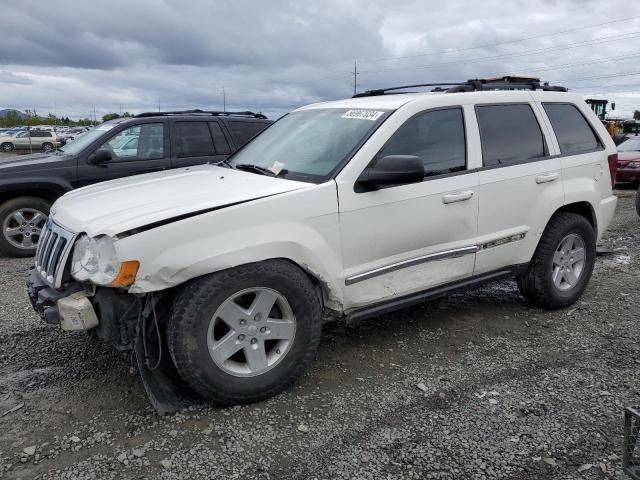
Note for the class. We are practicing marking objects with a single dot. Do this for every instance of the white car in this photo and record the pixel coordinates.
(217, 275)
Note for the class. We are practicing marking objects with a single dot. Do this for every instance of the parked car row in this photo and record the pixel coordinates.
(117, 148)
(217, 275)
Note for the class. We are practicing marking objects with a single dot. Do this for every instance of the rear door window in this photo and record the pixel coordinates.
(509, 134)
(245, 131)
(572, 130)
(193, 139)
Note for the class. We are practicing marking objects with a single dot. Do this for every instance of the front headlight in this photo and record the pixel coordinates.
(95, 260)
(634, 165)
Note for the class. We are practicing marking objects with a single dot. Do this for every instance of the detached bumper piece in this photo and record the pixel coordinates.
(631, 453)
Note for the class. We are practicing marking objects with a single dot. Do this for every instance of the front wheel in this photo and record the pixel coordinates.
(245, 334)
(21, 222)
(563, 262)
(638, 201)
(7, 147)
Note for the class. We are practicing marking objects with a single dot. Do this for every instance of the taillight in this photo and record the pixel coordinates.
(613, 167)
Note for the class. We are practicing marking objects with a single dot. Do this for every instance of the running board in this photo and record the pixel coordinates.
(431, 293)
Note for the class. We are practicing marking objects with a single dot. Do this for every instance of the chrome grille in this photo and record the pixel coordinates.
(53, 251)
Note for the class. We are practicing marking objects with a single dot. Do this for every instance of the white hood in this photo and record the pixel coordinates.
(119, 205)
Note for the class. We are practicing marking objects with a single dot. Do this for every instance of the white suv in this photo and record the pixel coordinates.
(216, 276)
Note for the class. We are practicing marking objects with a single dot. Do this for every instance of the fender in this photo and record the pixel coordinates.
(301, 226)
(59, 186)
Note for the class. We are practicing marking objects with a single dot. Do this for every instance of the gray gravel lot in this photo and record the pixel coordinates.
(505, 391)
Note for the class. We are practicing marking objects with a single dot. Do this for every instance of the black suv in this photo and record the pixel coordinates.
(118, 148)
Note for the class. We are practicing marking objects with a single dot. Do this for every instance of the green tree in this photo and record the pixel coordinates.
(109, 116)
(636, 115)
(11, 119)
(32, 118)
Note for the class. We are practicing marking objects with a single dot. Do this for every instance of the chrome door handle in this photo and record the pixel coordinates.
(547, 177)
(457, 196)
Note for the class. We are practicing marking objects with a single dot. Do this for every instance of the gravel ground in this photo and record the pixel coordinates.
(477, 385)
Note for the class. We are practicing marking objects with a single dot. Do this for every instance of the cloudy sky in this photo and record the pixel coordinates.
(276, 55)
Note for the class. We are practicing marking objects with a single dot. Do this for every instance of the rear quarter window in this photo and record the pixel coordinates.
(245, 131)
(574, 133)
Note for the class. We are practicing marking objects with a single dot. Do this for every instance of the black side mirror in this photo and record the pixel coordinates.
(100, 157)
(392, 170)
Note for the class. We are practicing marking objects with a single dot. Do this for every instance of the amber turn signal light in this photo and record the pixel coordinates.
(127, 274)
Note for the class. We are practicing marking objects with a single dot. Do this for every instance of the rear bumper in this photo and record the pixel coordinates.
(606, 212)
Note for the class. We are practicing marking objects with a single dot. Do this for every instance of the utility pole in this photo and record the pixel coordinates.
(120, 109)
(224, 100)
(158, 102)
(355, 77)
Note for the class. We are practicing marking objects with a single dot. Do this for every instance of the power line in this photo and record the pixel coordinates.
(506, 42)
(579, 64)
(597, 77)
(523, 53)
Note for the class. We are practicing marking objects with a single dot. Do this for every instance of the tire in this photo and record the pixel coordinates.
(191, 331)
(638, 201)
(47, 147)
(30, 207)
(537, 282)
(7, 147)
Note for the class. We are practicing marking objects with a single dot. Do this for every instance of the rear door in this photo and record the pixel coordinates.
(192, 143)
(140, 148)
(520, 183)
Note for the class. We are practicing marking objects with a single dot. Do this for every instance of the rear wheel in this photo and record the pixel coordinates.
(47, 147)
(562, 264)
(21, 222)
(7, 147)
(245, 334)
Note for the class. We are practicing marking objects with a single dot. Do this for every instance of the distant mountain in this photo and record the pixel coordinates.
(4, 111)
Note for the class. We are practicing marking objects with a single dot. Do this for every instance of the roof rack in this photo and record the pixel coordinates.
(197, 111)
(498, 83)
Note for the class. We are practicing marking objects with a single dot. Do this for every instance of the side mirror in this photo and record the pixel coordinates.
(100, 157)
(392, 170)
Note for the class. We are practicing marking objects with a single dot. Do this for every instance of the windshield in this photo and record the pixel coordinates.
(81, 142)
(310, 145)
(631, 145)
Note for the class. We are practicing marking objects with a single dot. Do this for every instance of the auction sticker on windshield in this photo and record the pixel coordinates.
(363, 114)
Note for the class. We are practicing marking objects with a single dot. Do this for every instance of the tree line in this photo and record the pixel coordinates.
(32, 118)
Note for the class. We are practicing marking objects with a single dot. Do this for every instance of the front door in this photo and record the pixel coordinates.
(141, 148)
(407, 238)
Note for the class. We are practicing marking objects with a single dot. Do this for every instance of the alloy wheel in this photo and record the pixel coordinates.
(251, 332)
(22, 227)
(568, 262)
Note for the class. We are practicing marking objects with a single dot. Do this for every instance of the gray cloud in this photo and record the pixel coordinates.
(274, 56)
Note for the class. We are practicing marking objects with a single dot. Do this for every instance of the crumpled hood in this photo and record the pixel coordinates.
(119, 205)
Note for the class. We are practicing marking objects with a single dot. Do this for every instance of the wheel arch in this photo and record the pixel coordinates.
(45, 193)
(584, 209)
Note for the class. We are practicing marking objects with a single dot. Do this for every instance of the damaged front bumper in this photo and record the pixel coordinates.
(131, 323)
(70, 307)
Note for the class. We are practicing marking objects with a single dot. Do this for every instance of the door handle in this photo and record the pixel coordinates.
(457, 196)
(154, 169)
(547, 177)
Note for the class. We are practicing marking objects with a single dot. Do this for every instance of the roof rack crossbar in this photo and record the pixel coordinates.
(197, 111)
(473, 85)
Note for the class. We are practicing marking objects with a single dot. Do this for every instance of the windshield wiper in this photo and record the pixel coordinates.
(250, 167)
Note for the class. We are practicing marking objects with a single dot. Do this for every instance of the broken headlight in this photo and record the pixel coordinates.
(94, 260)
